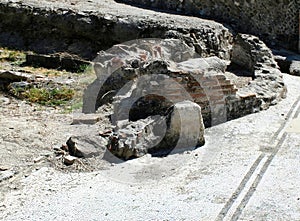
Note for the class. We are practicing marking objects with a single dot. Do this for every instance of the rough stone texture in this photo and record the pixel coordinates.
(182, 128)
(56, 61)
(174, 73)
(85, 28)
(267, 86)
(273, 21)
(14, 76)
(155, 93)
(251, 53)
(69, 160)
(8, 77)
(295, 68)
(85, 118)
(134, 139)
(141, 86)
(285, 59)
(85, 146)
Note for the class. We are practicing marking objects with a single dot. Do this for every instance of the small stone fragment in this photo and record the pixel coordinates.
(38, 159)
(86, 146)
(69, 160)
(106, 133)
(86, 119)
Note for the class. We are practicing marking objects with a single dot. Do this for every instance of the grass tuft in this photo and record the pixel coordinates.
(46, 96)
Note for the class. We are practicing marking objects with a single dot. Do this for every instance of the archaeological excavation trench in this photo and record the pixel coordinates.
(156, 69)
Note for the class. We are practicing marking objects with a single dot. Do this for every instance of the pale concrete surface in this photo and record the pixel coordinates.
(247, 170)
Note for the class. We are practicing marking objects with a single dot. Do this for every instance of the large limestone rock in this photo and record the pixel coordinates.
(180, 129)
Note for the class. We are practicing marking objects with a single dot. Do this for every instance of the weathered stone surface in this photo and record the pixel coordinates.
(185, 123)
(251, 53)
(57, 61)
(182, 128)
(295, 68)
(288, 61)
(85, 146)
(85, 118)
(158, 80)
(204, 65)
(69, 160)
(134, 139)
(254, 17)
(85, 28)
(13, 76)
(173, 75)
(152, 93)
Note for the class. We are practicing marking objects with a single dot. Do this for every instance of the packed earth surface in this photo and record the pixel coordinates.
(57, 163)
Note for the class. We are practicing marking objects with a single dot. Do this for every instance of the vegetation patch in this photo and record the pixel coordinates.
(55, 87)
(44, 94)
(12, 56)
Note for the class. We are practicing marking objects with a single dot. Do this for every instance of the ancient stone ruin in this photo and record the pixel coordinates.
(146, 78)
(166, 76)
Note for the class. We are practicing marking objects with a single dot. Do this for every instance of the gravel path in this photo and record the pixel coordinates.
(248, 170)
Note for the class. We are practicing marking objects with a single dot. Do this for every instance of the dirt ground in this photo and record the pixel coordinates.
(247, 170)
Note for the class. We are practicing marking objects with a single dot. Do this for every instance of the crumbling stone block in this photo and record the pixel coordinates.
(180, 129)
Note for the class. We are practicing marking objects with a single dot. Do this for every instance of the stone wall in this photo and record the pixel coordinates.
(276, 22)
(70, 28)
